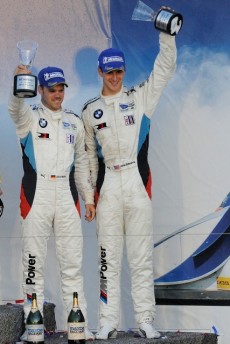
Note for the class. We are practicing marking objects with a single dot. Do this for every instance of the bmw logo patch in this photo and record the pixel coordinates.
(98, 114)
(43, 122)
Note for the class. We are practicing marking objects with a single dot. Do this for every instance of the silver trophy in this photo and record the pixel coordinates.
(165, 19)
(25, 85)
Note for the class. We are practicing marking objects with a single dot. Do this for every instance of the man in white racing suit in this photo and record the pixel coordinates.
(117, 125)
(56, 168)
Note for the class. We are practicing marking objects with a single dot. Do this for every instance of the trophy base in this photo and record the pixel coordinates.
(168, 21)
(25, 86)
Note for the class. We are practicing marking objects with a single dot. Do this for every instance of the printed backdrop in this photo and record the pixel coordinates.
(188, 146)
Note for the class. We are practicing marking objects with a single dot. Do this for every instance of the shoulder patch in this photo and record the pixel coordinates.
(36, 107)
(70, 112)
(90, 102)
(143, 83)
(130, 91)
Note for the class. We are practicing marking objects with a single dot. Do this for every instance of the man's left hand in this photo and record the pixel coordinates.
(90, 212)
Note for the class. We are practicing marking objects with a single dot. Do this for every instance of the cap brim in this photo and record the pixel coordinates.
(115, 68)
(58, 83)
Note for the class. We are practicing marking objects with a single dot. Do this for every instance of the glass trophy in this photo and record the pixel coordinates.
(25, 85)
(165, 19)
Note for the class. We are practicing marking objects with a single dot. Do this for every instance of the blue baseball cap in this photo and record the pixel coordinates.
(51, 76)
(111, 59)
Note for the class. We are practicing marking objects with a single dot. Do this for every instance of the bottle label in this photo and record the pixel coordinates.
(76, 331)
(35, 333)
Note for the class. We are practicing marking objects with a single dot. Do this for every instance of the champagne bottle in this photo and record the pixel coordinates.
(34, 324)
(76, 323)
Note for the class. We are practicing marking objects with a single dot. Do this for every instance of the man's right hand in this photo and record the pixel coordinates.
(21, 69)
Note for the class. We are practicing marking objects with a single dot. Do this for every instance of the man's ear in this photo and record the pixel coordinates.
(100, 71)
(40, 90)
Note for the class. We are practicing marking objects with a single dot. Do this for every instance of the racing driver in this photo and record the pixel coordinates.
(117, 125)
(56, 167)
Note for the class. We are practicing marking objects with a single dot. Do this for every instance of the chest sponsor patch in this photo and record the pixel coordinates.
(129, 119)
(70, 138)
(101, 126)
(43, 135)
(98, 114)
(43, 122)
(127, 106)
(66, 124)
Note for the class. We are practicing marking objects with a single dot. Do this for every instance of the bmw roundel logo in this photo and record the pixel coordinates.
(43, 122)
(98, 114)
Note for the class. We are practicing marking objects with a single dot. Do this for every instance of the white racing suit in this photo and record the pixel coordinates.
(117, 138)
(55, 166)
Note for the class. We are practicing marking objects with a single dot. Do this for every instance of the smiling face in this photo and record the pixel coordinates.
(53, 97)
(112, 81)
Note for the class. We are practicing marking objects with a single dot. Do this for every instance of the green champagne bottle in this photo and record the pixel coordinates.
(34, 324)
(76, 323)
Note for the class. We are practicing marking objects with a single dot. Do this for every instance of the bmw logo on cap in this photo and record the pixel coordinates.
(98, 114)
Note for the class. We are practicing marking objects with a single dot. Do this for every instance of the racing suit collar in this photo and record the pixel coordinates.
(56, 115)
(110, 99)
